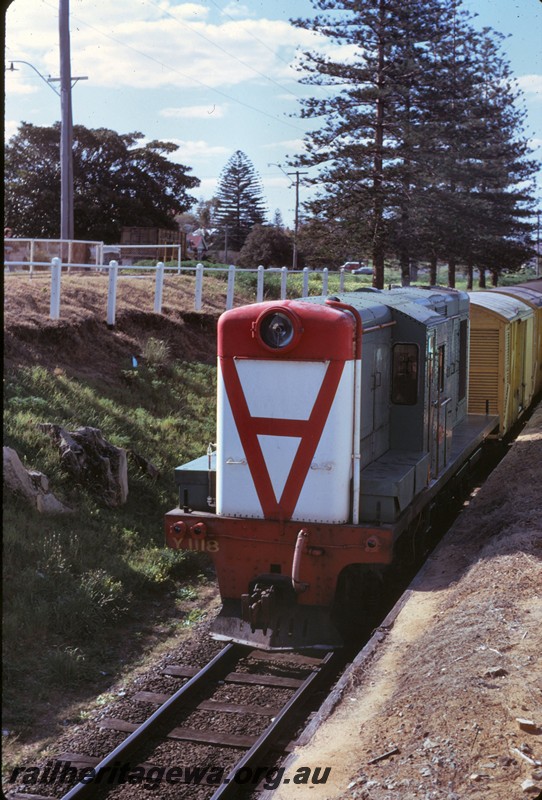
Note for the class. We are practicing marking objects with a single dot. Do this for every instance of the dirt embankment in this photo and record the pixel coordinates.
(82, 343)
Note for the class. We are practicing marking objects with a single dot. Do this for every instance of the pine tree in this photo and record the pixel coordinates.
(367, 144)
(239, 201)
(475, 152)
(418, 147)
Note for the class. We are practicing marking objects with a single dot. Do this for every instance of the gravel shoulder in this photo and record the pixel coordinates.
(444, 686)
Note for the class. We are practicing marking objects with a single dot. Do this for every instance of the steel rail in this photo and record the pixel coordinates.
(231, 788)
(147, 729)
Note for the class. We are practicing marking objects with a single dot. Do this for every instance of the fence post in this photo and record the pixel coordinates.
(199, 286)
(31, 258)
(325, 281)
(305, 281)
(341, 280)
(283, 281)
(56, 270)
(112, 292)
(231, 284)
(70, 256)
(159, 287)
(259, 284)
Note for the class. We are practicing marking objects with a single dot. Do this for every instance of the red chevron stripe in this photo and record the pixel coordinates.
(310, 432)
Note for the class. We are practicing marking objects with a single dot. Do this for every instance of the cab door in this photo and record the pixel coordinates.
(438, 402)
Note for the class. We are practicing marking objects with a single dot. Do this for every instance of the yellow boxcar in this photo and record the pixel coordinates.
(533, 299)
(501, 357)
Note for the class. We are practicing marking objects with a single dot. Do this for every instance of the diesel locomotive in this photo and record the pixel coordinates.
(340, 420)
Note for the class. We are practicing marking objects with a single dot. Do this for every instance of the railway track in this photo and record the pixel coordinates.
(296, 677)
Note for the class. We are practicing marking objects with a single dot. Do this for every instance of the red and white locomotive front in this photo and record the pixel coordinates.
(285, 412)
(285, 522)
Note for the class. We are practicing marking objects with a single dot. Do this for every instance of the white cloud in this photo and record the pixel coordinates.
(236, 9)
(208, 186)
(531, 84)
(194, 150)
(288, 144)
(210, 111)
(10, 128)
(17, 81)
(156, 44)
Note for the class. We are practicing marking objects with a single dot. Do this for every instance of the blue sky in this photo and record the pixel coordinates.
(213, 76)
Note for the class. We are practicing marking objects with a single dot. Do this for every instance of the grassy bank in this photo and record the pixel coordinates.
(74, 586)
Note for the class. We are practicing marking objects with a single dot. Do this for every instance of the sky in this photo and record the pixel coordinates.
(212, 76)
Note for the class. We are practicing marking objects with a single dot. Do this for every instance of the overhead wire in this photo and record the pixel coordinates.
(252, 35)
(182, 74)
(223, 49)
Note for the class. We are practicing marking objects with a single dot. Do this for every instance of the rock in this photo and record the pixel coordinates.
(31, 484)
(530, 787)
(496, 672)
(143, 464)
(92, 461)
(527, 725)
(39, 480)
(49, 504)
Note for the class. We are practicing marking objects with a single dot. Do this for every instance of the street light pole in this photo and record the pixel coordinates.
(538, 244)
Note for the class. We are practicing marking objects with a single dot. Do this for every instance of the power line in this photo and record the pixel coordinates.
(183, 75)
(227, 52)
(256, 39)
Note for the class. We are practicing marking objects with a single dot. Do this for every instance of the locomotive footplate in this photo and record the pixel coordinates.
(287, 626)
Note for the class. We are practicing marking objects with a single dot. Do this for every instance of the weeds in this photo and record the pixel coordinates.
(70, 582)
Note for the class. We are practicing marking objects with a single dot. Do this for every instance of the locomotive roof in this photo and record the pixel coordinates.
(502, 305)
(427, 308)
(443, 300)
(370, 307)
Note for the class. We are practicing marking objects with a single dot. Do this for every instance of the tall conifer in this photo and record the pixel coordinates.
(419, 144)
(239, 200)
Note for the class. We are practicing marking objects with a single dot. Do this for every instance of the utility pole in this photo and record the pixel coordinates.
(66, 135)
(297, 173)
(538, 244)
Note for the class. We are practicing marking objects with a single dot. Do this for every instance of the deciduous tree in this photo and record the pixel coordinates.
(268, 245)
(118, 181)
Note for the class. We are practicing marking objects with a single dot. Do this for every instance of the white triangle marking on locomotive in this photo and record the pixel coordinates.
(279, 453)
(289, 386)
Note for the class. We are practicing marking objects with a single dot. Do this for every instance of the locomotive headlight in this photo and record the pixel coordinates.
(279, 330)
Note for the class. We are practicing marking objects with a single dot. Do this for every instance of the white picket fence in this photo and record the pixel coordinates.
(114, 269)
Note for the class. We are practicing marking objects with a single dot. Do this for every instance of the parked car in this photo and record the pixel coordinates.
(363, 271)
(357, 268)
